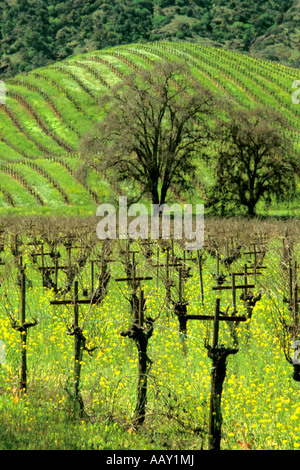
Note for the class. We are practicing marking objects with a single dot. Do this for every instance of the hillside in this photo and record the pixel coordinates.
(35, 33)
(49, 109)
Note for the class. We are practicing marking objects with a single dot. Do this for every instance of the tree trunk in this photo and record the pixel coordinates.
(141, 335)
(218, 355)
(154, 193)
(140, 409)
(251, 208)
(163, 194)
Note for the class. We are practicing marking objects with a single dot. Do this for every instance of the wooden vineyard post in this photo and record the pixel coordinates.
(92, 275)
(157, 267)
(15, 247)
(180, 310)
(290, 281)
(134, 281)
(179, 307)
(218, 355)
(292, 278)
(23, 378)
(79, 346)
(248, 297)
(255, 264)
(184, 272)
(254, 253)
(296, 303)
(168, 281)
(296, 364)
(55, 269)
(200, 264)
(22, 328)
(233, 288)
(141, 331)
(245, 280)
(220, 278)
(78, 352)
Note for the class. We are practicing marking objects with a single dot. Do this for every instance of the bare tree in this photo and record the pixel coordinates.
(255, 161)
(155, 126)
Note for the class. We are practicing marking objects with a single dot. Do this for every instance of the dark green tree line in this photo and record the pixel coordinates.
(35, 33)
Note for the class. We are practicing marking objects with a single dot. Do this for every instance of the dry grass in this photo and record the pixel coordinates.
(217, 231)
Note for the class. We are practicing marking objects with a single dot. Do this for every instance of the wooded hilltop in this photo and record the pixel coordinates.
(35, 33)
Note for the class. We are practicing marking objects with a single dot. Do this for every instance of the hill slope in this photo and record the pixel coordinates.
(49, 109)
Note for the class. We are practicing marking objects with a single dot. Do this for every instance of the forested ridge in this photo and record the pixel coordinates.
(34, 33)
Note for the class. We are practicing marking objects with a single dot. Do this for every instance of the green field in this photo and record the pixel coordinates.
(48, 110)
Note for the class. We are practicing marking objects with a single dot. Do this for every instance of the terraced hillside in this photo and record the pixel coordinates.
(48, 110)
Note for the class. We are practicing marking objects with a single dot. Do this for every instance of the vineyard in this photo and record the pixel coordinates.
(48, 110)
(140, 344)
(143, 345)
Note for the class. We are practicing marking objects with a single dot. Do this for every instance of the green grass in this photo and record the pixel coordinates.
(54, 124)
(50, 91)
